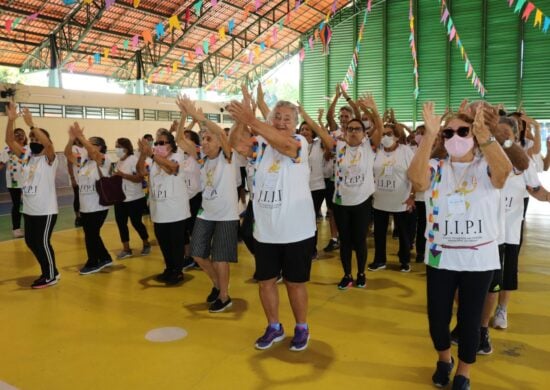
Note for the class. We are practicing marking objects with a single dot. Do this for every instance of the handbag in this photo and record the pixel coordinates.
(109, 189)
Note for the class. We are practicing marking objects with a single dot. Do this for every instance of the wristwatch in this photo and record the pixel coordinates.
(507, 144)
(488, 142)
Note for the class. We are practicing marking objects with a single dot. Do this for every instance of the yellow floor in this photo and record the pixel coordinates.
(88, 332)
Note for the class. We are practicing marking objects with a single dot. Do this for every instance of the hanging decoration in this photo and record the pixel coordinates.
(326, 35)
(528, 11)
(413, 49)
(350, 74)
(447, 21)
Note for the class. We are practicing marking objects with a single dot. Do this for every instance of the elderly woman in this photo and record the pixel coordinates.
(13, 161)
(463, 205)
(284, 215)
(38, 192)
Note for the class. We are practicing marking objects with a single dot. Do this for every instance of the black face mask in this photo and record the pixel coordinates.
(36, 148)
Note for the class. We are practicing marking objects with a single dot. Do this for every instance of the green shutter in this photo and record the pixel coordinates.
(502, 54)
(536, 67)
(313, 80)
(431, 45)
(467, 17)
(399, 69)
(370, 69)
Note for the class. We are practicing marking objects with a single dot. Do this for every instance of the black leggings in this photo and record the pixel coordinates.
(472, 290)
(420, 230)
(318, 197)
(133, 210)
(170, 238)
(381, 219)
(352, 223)
(38, 233)
(15, 194)
(91, 224)
(246, 230)
(76, 200)
(525, 204)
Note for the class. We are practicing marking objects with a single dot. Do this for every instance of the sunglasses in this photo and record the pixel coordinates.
(354, 129)
(449, 133)
(160, 143)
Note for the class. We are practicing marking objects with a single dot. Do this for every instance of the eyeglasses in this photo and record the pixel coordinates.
(449, 133)
(354, 129)
(160, 143)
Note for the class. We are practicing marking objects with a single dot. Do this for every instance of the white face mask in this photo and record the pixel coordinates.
(120, 152)
(387, 141)
(366, 124)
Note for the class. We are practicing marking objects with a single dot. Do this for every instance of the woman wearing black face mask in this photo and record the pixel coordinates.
(39, 195)
(14, 163)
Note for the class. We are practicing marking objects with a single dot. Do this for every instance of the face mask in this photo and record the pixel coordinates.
(36, 148)
(161, 150)
(120, 152)
(418, 139)
(366, 124)
(387, 141)
(459, 146)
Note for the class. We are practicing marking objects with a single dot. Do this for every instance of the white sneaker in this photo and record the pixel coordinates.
(500, 320)
(18, 233)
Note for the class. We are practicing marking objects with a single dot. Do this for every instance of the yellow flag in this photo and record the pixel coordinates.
(174, 66)
(173, 22)
(221, 33)
(106, 52)
(88, 1)
(538, 18)
(327, 18)
(136, 3)
(257, 51)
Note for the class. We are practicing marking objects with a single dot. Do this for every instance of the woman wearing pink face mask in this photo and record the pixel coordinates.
(463, 205)
(169, 201)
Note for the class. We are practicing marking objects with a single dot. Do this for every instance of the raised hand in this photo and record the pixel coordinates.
(27, 116)
(480, 129)
(77, 131)
(241, 112)
(432, 122)
(12, 111)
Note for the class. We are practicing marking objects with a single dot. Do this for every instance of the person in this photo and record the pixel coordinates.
(79, 153)
(92, 213)
(37, 177)
(392, 196)
(215, 235)
(420, 206)
(132, 207)
(284, 226)
(169, 201)
(13, 163)
(463, 205)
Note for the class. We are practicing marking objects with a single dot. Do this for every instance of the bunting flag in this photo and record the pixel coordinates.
(302, 54)
(174, 23)
(90, 62)
(97, 58)
(147, 37)
(213, 39)
(33, 16)
(198, 7)
(174, 66)
(350, 74)
(88, 2)
(135, 42)
(231, 26)
(221, 33)
(258, 4)
(106, 52)
(136, 3)
(205, 47)
(114, 50)
(453, 35)
(9, 23)
(213, 3)
(71, 67)
(109, 3)
(528, 8)
(126, 44)
(412, 42)
(69, 2)
(159, 30)
(182, 60)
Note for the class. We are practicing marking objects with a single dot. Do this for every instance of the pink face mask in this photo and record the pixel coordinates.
(458, 146)
(418, 138)
(161, 150)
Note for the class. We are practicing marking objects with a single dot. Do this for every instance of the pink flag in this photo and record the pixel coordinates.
(302, 54)
(213, 3)
(445, 16)
(510, 2)
(452, 34)
(369, 4)
(9, 23)
(33, 16)
(273, 33)
(334, 6)
(71, 67)
(311, 42)
(109, 3)
(530, 7)
(258, 4)
(250, 57)
(135, 42)
(114, 50)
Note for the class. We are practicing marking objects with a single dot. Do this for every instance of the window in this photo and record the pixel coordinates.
(228, 119)
(163, 115)
(74, 112)
(94, 113)
(111, 113)
(52, 110)
(214, 117)
(175, 115)
(129, 114)
(34, 108)
(149, 115)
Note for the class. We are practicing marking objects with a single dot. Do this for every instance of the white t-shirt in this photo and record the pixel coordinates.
(390, 174)
(419, 196)
(192, 173)
(168, 200)
(13, 166)
(86, 177)
(80, 154)
(219, 194)
(250, 178)
(316, 158)
(328, 165)
(132, 190)
(38, 179)
(462, 209)
(513, 201)
(353, 173)
(283, 207)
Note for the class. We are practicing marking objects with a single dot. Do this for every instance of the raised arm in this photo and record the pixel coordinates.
(419, 172)
(10, 136)
(241, 140)
(547, 158)
(260, 100)
(332, 125)
(328, 141)
(49, 150)
(68, 151)
(93, 153)
(352, 104)
(368, 105)
(186, 145)
(144, 151)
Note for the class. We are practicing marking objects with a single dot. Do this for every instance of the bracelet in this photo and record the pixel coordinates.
(488, 142)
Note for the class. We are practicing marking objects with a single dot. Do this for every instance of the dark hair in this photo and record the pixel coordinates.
(99, 142)
(194, 137)
(170, 136)
(20, 130)
(126, 144)
(301, 124)
(148, 137)
(358, 121)
(44, 131)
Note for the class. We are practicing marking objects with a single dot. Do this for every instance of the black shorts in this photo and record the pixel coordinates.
(293, 260)
(506, 278)
(194, 206)
(329, 193)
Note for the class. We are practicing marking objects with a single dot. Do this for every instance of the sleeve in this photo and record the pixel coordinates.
(530, 176)
(4, 156)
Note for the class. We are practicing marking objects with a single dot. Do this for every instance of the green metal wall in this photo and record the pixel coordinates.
(490, 32)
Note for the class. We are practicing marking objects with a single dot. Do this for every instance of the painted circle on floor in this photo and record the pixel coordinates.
(165, 335)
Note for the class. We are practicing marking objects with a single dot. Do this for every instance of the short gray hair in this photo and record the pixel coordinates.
(285, 104)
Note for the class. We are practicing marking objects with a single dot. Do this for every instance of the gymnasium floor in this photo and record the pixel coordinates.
(89, 332)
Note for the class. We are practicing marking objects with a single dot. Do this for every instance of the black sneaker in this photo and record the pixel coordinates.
(345, 283)
(454, 335)
(90, 269)
(442, 374)
(163, 277)
(105, 263)
(420, 258)
(405, 268)
(460, 382)
(174, 278)
(332, 245)
(211, 298)
(361, 281)
(485, 347)
(218, 306)
(374, 266)
(42, 282)
(188, 262)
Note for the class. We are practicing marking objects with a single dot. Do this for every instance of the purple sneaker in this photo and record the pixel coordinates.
(300, 339)
(270, 336)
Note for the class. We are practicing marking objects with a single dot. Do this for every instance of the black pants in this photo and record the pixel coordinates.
(169, 237)
(15, 194)
(318, 196)
(195, 204)
(76, 200)
(525, 204)
(381, 219)
(38, 233)
(352, 223)
(472, 290)
(134, 211)
(246, 229)
(420, 230)
(91, 224)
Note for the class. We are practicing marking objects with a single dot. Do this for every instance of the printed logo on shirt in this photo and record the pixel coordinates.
(463, 231)
(386, 184)
(87, 189)
(30, 190)
(159, 193)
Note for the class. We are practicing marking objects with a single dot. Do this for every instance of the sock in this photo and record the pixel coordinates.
(276, 325)
(302, 326)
